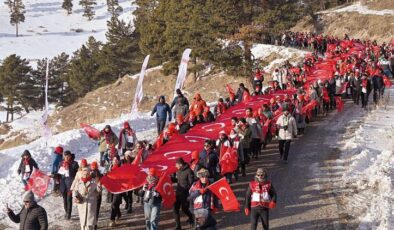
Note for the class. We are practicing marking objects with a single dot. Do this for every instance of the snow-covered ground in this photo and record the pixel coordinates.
(361, 9)
(48, 30)
(262, 51)
(368, 163)
(74, 140)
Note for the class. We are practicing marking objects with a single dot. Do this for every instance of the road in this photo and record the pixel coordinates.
(308, 197)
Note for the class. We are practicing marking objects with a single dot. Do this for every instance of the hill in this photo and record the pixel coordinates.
(372, 20)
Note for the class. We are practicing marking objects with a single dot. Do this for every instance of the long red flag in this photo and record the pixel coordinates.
(224, 192)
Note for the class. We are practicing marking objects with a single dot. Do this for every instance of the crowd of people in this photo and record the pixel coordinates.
(283, 117)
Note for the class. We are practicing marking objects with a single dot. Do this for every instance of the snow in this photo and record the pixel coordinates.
(369, 169)
(27, 124)
(74, 140)
(262, 51)
(48, 30)
(361, 9)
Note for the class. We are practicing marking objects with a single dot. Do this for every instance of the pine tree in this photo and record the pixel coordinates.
(60, 91)
(120, 55)
(68, 6)
(88, 6)
(150, 26)
(82, 73)
(114, 8)
(17, 13)
(15, 75)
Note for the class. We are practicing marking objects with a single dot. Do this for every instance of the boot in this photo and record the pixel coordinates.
(112, 223)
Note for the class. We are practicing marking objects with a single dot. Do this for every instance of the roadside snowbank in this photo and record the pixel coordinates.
(369, 156)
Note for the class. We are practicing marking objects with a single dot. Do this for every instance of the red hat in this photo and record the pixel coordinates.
(94, 165)
(152, 172)
(59, 150)
(195, 155)
(126, 125)
(84, 163)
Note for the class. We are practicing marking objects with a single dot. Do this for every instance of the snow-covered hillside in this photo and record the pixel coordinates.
(74, 140)
(361, 9)
(48, 30)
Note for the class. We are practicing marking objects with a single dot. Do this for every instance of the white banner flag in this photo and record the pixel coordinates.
(182, 70)
(44, 119)
(138, 91)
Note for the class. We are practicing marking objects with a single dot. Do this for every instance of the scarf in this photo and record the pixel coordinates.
(86, 179)
(152, 181)
(66, 164)
(26, 161)
(138, 157)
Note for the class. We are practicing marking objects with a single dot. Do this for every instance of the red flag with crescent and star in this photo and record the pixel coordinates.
(166, 190)
(38, 183)
(223, 191)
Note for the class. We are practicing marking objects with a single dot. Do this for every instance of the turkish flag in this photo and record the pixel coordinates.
(93, 133)
(38, 183)
(228, 160)
(224, 192)
(166, 190)
(125, 178)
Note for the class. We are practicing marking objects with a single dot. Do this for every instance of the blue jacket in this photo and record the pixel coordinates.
(161, 110)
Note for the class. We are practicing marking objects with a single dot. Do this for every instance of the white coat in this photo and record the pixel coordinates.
(87, 208)
(291, 124)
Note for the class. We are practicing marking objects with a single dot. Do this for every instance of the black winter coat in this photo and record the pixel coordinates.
(185, 180)
(32, 164)
(65, 182)
(34, 218)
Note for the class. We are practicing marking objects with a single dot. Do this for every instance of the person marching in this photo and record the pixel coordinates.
(26, 166)
(68, 170)
(161, 109)
(260, 197)
(152, 200)
(201, 197)
(107, 143)
(127, 139)
(85, 193)
(287, 130)
(32, 216)
(184, 179)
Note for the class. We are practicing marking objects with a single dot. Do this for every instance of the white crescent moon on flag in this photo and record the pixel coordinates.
(164, 188)
(193, 138)
(221, 189)
(222, 125)
(185, 153)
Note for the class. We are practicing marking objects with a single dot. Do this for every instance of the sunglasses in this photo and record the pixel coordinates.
(259, 175)
(26, 202)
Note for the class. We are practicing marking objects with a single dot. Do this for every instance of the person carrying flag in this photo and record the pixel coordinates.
(260, 197)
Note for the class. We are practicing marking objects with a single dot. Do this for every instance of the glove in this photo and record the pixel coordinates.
(272, 205)
(246, 211)
(203, 190)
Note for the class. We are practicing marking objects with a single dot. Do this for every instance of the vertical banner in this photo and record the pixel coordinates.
(182, 70)
(44, 118)
(138, 91)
